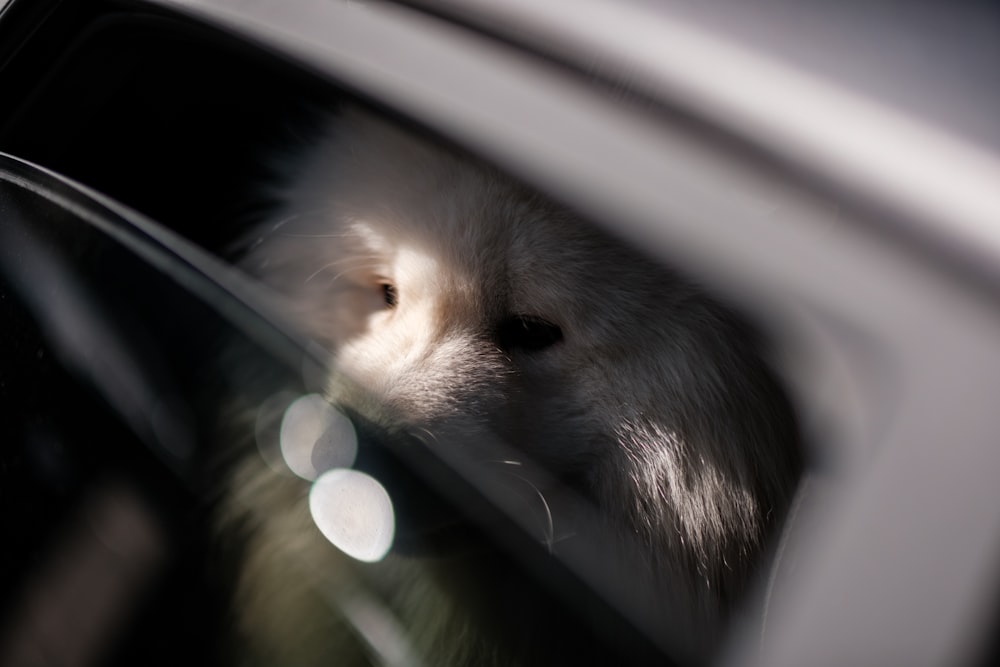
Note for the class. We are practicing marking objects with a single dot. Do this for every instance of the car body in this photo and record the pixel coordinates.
(839, 191)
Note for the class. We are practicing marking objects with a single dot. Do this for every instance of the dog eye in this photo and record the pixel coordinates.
(389, 295)
(526, 333)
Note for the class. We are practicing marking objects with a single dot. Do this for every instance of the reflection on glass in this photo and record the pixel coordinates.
(316, 437)
(354, 512)
(352, 509)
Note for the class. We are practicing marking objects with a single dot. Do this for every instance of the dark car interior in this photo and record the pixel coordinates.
(169, 119)
(159, 113)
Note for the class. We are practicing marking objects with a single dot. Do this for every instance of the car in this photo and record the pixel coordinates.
(812, 163)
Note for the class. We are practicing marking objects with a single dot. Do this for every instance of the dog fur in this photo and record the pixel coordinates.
(450, 294)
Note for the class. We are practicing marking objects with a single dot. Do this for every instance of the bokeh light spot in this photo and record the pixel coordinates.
(316, 437)
(354, 511)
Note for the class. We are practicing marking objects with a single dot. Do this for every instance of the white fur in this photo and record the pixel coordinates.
(655, 403)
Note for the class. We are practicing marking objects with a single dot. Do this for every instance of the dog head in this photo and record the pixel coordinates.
(451, 295)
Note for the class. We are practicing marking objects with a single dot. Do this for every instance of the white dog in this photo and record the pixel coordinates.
(455, 300)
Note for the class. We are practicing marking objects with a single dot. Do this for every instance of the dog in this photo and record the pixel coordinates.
(460, 306)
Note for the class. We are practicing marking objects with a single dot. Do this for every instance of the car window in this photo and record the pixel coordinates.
(238, 439)
(157, 411)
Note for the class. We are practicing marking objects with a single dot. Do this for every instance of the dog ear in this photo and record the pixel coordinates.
(710, 456)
